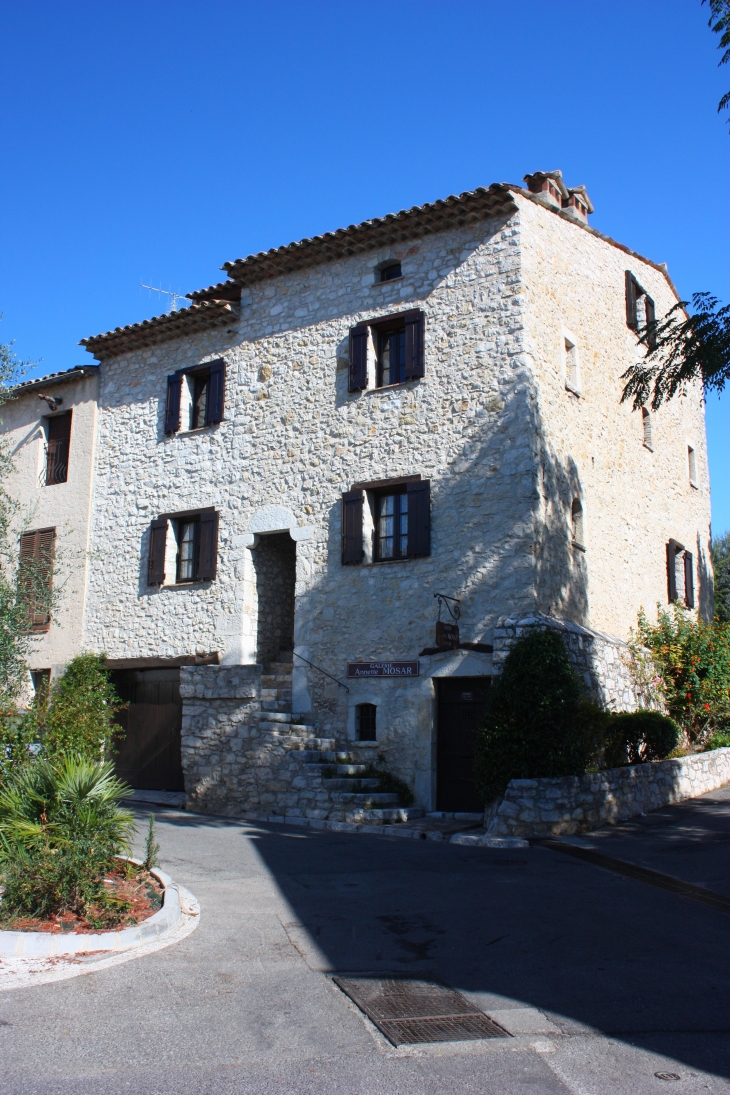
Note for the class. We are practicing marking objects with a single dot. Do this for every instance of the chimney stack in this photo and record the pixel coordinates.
(549, 188)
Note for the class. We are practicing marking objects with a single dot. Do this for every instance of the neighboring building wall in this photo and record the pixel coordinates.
(65, 506)
(634, 500)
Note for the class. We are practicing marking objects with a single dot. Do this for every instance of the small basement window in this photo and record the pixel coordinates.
(390, 271)
(365, 721)
(647, 427)
(692, 462)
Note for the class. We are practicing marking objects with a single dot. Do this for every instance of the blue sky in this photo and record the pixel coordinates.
(152, 141)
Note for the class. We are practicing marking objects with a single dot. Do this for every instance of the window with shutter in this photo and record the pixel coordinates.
(208, 546)
(352, 546)
(58, 432)
(415, 337)
(200, 393)
(419, 518)
(172, 411)
(650, 321)
(633, 292)
(689, 580)
(35, 576)
(158, 544)
(358, 374)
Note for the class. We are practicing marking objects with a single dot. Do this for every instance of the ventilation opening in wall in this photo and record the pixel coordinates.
(571, 366)
(576, 518)
(692, 463)
(275, 563)
(365, 721)
(646, 424)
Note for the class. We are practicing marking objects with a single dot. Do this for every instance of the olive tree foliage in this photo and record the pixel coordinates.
(18, 589)
(692, 341)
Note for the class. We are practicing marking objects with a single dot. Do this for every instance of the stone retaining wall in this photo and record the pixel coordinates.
(602, 660)
(574, 804)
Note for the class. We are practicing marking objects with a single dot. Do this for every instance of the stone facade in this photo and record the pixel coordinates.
(505, 446)
(574, 804)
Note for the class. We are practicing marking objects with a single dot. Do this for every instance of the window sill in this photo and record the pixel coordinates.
(387, 562)
(391, 387)
(694, 486)
(649, 448)
(573, 391)
(198, 429)
(389, 281)
(577, 546)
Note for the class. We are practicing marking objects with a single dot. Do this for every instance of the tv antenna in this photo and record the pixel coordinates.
(174, 297)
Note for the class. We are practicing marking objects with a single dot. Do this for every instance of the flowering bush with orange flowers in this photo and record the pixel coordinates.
(692, 659)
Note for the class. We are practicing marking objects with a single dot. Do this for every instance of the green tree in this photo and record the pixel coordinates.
(721, 565)
(534, 724)
(78, 714)
(684, 347)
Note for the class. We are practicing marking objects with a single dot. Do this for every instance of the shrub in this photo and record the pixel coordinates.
(388, 783)
(60, 829)
(693, 661)
(537, 721)
(633, 737)
(718, 741)
(78, 715)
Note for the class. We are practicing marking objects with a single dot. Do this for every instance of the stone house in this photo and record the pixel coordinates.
(291, 470)
(49, 427)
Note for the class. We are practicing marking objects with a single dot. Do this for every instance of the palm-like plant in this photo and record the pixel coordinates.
(60, 828)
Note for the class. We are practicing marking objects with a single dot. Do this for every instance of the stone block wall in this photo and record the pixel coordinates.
(601, 660)
(574, 804)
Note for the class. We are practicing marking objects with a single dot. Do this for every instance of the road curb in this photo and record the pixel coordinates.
(45, 944)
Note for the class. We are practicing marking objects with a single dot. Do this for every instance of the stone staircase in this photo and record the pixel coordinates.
(325, 781)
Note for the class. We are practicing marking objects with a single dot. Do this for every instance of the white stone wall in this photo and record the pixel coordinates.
(491, 425)
(65, 506)
(634, 500)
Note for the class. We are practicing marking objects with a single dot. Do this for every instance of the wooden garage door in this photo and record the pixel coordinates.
(149, 754)
(461, 702)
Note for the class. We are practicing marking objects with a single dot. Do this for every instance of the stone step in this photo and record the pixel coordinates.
(384, 816)
(364, 801)
(354, 785)
(356, 771)
(277, 705)
(320, 746)
(275, 716)
(283, 669)
(318, 758)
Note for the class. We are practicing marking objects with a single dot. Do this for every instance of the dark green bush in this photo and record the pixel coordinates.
(538, 722)
(60, 829)
(718, 741)
(633, 737)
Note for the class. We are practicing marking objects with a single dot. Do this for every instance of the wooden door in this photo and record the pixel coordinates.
(149, 753)
(461, 703)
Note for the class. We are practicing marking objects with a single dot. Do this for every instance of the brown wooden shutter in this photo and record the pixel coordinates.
(35, 577)
(631, 298)
(158, 543)
(216, 392)
(358, 376)
(415, 356)
(172, 411)
(59, 441)
(352, 527)
(208, 546)
(419, 518)
(671, 572)
(689, 580)
(650, 316)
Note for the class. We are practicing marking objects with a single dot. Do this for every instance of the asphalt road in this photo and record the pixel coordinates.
(603, 981)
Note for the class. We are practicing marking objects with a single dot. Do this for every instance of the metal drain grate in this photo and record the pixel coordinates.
(407, 1012)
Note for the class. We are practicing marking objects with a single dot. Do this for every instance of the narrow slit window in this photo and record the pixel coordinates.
(392, 528)
(365, 721)
(571, 366)
(647, 427)
(692, 463)
(576, 516)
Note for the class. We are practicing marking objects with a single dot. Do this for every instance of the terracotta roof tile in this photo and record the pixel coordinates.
(187, 321)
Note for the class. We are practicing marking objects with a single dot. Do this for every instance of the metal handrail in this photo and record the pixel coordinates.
(322, 671)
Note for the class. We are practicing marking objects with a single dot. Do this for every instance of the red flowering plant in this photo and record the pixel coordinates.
(692, 658)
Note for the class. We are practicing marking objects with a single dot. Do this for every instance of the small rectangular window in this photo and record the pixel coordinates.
(365, 721)
(391, 271)
(58, 432)
(41, 679)
(187, 550)
(392, 526)
(692, 462)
